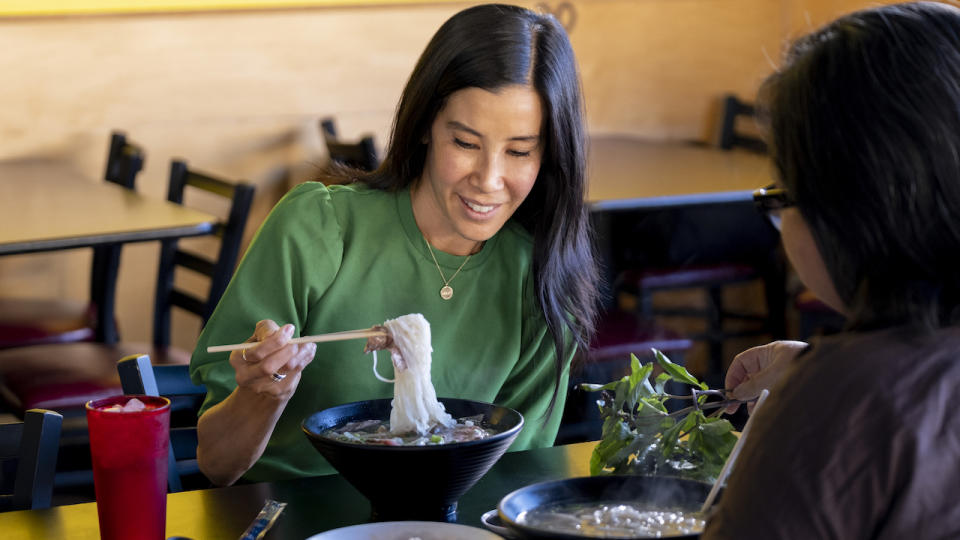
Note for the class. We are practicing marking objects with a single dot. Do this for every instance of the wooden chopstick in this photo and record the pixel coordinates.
(320, 338)
(722, 477)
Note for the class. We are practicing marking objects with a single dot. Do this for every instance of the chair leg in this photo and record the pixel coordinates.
(715, 334)
(645, 304)
(775, 293)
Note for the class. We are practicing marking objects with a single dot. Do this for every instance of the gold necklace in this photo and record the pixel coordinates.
(446, 292)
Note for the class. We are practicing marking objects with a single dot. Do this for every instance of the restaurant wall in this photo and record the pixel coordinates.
(238, 93)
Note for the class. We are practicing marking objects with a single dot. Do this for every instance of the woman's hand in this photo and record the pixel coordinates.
(233, 434)
(759, 367)
(259, 368)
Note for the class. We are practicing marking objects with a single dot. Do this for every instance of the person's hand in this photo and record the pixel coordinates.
(759, 367)
(273, 367)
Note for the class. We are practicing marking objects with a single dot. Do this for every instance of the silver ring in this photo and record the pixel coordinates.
(277, 376)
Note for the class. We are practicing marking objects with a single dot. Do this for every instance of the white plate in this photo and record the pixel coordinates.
(407, 530)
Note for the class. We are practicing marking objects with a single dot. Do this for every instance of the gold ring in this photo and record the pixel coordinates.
(243, 354)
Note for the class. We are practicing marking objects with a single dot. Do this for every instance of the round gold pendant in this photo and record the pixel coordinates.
(446, 292)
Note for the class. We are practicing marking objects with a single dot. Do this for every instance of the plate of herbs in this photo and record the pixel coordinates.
(650, 431)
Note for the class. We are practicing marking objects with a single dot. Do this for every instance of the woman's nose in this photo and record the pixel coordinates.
(490, 173)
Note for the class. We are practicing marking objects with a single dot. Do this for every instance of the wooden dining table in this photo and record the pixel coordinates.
(313, 505)
(46, 206)
(631, 179)
(628, 173)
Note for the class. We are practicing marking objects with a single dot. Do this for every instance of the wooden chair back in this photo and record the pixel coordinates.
(359, 155)
(139, 376)
(732, 137)
(218, 270)
(124, 161)
(32, 445)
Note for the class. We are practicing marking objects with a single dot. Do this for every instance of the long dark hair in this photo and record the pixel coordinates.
(490, 47)
(864, 121)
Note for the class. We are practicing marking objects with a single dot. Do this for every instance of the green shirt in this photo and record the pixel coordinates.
(338, 258)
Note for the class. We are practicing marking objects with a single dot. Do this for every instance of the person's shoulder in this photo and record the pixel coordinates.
(891, 350)
(356, 192)
(306, 193)
(314, 194)
(893, 373)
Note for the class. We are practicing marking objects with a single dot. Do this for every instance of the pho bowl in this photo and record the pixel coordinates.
(413, 482)
(555, 509)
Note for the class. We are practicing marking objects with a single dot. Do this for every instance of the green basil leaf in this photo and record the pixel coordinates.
(615, 437)
(661, 382)
(678, 372)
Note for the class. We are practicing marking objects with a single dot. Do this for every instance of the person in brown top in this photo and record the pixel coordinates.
(860, 437)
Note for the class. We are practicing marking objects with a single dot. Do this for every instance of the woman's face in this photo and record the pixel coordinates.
(805, 257)
(483, 157)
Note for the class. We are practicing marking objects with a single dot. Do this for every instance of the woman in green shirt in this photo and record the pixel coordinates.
(476, 219)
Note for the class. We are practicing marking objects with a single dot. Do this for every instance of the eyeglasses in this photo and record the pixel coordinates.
(771, 200)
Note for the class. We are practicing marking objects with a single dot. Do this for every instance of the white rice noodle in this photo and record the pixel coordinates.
(415, 405)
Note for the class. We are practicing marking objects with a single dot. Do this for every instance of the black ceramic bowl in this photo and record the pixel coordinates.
(413, 482)
(666, 492)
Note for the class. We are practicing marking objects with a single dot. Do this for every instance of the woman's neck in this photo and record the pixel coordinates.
(436, 229)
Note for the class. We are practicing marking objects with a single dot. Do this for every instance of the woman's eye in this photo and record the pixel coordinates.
(517, 153)
(464, 144)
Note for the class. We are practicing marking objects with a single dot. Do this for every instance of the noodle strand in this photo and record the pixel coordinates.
(415, 405)
(377, 375)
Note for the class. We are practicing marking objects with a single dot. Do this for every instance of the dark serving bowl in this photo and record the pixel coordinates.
(658, 491)
(413, 482)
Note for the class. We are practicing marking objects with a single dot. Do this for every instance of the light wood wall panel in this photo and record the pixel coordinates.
(239, 94)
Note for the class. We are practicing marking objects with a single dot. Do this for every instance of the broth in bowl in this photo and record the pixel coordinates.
(606, 506)
(469, 428)
(614, 519)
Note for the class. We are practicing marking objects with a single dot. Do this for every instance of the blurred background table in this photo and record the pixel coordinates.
(627, 173)
(47, 208)
(314, 504)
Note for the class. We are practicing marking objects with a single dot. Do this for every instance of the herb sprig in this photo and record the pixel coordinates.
(641, 436)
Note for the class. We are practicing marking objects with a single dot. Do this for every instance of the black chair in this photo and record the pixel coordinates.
(218, 270)
(701, 253)
(359, 155)
(65, 376)
(736, 112)
(709, 249)
(30, 447)
(139, 376)
(38, 321)
(815, 317)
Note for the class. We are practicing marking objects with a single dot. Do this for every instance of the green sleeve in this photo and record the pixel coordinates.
(530, 386)
(291, 261)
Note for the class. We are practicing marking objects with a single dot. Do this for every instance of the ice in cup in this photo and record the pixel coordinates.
(129, 445)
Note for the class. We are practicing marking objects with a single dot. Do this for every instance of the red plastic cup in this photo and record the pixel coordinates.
(129, 451)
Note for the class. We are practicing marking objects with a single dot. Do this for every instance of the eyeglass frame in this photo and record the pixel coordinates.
(770, 200)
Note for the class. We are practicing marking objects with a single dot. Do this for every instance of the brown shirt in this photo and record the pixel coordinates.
(860, 440)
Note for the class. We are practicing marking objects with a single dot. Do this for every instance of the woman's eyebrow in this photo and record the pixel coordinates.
(453, 124)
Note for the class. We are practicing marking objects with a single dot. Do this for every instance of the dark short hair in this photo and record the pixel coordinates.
(491, 47)
(864, 121)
